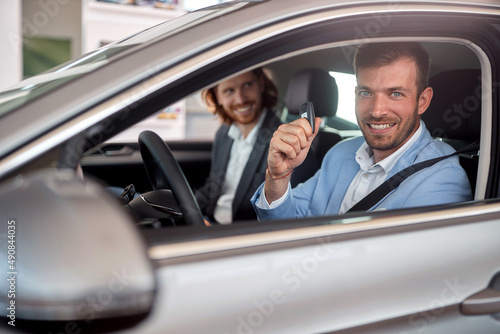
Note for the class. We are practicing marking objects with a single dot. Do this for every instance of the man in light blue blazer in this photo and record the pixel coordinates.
(392, 93)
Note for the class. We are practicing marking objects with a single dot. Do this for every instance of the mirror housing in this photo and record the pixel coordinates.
(75, 253)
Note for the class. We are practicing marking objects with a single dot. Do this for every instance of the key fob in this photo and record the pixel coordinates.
(307, 111)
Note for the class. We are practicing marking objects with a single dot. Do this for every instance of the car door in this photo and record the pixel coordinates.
(410, 271)
(406, 271)
(416, 270)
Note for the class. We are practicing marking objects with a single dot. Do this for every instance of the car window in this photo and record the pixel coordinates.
(186, 119)
(175, 124)
(29, 89)
(346, 82)
(190, 119)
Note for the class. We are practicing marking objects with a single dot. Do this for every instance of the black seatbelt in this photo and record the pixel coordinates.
(393, 182)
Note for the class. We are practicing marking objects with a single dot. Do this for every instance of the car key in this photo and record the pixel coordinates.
(307, 111)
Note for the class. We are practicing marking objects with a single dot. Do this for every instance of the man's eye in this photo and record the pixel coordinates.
(397, 94)
(364, 93)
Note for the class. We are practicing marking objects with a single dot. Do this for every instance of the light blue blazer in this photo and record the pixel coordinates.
(444, 182)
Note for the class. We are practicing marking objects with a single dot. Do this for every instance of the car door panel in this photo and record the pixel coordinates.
(384, 276)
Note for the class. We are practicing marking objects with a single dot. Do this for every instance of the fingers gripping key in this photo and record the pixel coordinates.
(307, 111)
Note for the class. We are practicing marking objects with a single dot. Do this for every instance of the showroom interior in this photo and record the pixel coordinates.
(41, 34)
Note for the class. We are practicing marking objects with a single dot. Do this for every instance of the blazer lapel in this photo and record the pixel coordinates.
(225, 153)
(346, 174)
(259, 152)
(220, 160)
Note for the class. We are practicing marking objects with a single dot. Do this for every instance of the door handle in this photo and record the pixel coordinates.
(484, 302)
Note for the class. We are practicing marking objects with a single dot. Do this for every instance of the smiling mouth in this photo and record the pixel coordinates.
(381, 126)
(242, 109)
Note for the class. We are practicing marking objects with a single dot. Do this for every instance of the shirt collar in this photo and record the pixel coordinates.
(235, 132)
(364, 155)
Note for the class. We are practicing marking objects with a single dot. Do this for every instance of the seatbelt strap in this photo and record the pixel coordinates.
(393, 182)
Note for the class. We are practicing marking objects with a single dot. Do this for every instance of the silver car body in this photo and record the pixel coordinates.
(406, 271)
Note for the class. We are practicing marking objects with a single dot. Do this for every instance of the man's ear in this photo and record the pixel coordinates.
(424, 100)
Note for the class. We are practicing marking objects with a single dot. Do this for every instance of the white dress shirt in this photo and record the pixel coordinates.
(371, 175)
(240, 152)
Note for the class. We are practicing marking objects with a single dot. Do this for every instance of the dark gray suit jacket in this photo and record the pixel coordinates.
(253, 173)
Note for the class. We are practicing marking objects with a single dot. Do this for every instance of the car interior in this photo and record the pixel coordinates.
(320, 88)
(454, 115)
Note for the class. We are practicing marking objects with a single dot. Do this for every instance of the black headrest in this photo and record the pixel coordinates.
(316, 86)
(455, 109)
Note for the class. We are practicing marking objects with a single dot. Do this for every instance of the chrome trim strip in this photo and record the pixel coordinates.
(198, 247)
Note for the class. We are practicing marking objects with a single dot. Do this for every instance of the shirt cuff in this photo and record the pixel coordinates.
(262, 201)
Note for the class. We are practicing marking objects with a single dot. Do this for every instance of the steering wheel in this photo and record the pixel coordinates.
(164, 172)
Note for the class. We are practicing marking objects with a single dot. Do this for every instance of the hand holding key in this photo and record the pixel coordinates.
(288, 149)
(290, 145)
(307, 111)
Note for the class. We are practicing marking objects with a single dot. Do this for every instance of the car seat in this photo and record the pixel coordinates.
(320, 88)
(454, 115)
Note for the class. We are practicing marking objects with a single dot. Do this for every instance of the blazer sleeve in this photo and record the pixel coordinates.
(443, 183)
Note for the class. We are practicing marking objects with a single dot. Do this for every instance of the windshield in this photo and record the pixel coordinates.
(29, 89)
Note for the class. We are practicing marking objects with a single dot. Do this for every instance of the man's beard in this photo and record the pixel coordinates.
(373, 140)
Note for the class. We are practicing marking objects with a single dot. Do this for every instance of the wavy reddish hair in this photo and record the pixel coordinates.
(269, 96)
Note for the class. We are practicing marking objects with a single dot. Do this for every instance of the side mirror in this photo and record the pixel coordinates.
(71, 252)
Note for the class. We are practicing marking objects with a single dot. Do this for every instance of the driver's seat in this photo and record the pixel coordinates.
(319, 87)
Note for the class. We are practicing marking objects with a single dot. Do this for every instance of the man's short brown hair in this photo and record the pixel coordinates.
(380, 54)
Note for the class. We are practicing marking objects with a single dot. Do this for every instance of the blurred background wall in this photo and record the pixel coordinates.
(10, 43)
(39, 34)
(36, 35)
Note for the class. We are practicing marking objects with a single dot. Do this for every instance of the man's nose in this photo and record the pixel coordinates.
(379, 106)
(240, 97)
